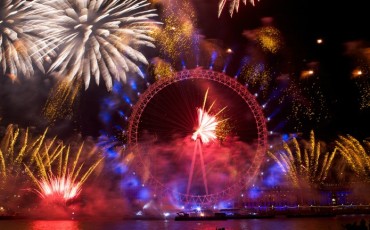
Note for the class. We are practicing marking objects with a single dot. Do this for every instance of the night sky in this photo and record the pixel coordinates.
(300, 22)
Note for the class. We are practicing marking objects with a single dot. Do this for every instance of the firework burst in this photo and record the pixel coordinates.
(207, 124)
(161, 69)
(258, 66)
(308, 163)
(96, 39)
(206, 127)
(57, 177)
(234, 6)
(176, 37)
(356, 155)
(59, 188)
(46, 162)
(20, 48)
(269, 39)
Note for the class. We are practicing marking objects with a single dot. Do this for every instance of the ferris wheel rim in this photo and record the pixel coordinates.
(221, 78)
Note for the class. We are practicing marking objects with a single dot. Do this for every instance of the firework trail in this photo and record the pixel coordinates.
(59, 178)
(46, 162)
(205, 132)
(16, 149)
(308, 163)
(61, 100)
(234, 6)
(13, 152)
(355, 154)
(46, 159)
(96, 39)
(20, 48)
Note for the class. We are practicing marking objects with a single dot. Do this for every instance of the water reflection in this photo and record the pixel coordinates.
(55, 225)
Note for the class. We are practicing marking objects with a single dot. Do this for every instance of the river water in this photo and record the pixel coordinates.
(283, 223)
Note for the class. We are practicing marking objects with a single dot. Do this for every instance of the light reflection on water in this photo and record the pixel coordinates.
(252, 224)
(54, 225)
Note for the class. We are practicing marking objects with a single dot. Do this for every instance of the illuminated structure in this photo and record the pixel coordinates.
(245, 173)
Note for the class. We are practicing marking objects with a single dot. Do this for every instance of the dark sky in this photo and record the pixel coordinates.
(301, 23)
(300, 19)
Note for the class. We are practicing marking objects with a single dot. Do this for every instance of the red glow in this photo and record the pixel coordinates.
(54, 224)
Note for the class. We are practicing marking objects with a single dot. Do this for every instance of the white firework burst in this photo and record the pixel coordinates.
(96, 38)
(234, 6)
(19, 47)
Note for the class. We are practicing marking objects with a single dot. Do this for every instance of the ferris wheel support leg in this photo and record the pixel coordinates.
(191, 170)
(203, 167)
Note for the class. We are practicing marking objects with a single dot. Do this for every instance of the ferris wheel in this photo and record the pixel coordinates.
(163, 121)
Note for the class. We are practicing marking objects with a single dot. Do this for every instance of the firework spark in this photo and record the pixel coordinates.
(20, 48)
(313, 165)
(48, 160)
(308, 103)
(256, 74)
(13, 180)
(59, 188)
(206, 128)
(234, 6)
(360, 54)
(175, 38)
(96, 38)
(13, 152)
(269, 39)
(355, 154)
(223, 129)
(61, 100)
(57, 177)
(161, 69)
(257, 69)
